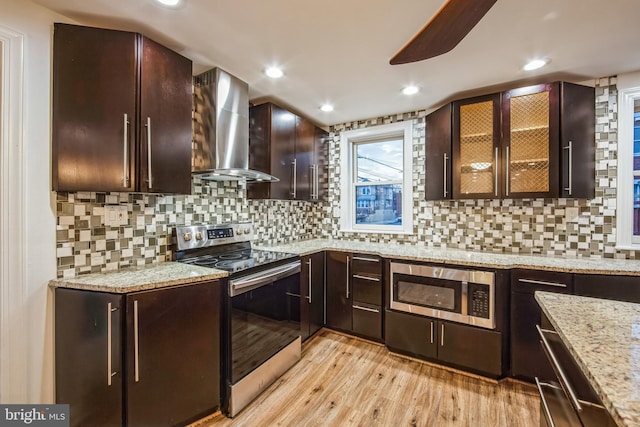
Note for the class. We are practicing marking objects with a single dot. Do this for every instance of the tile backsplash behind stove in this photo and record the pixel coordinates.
(578, 228)
(86, 245)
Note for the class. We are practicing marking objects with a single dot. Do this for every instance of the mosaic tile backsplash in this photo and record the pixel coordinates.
(578, 228)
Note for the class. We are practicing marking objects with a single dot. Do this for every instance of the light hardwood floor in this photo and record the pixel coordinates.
(345, 381)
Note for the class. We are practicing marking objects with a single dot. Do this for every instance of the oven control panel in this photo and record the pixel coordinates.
(200, 236)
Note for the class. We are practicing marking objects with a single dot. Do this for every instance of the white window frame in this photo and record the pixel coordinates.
(628, 93)
(348, 139)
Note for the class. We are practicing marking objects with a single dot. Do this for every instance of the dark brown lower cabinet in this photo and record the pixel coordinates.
(467, 347)
(339, 296)
(312, 294)
(139, 359)
(367, 320)
(527, 358)
(619, 288)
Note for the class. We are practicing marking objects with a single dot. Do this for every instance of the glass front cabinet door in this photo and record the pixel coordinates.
(476, 148)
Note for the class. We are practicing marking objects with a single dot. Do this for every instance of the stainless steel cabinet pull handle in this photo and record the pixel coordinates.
(309, 264)
(125, 161)
(373, 279)
(109, 338)
(495, 173)
(348, 277)
(431, 340)
(317, 181)
(312, 181)
(542, 282)
(444, 178)
(295, 172)
(366, 259)
(372, 310)
(564, 382)
(442, 335)
(545, 405)
(507, 177)
(570, 181)
(136, 343)
(149, 174)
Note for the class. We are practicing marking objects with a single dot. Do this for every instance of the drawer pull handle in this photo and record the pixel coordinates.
(545, 405)
(372, 310)
(564, 382)
(366, 259)
(542, 282)
(373, 279)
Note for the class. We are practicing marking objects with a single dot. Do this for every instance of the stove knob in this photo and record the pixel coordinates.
(198, 236)
(247, 230)
(187, 237)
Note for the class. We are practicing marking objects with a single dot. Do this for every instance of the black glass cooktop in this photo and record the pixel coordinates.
(234, 258)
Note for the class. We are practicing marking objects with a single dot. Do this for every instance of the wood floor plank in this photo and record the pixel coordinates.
(345, 381)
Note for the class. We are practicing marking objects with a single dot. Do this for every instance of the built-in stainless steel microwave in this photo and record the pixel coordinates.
(465, 296)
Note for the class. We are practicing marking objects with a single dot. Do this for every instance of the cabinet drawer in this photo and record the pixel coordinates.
(529, 281)
(619, 288)
(367, 320)
(366, 289)
(366, 265)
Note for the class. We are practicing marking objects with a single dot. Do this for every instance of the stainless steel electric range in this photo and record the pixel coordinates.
(262, 311)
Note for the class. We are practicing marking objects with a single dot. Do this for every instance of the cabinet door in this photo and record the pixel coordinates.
(259, 149)
(88, 356)
(530, 132)
(414, 335)
(338, 290)
(577, 141)
(475, 146)
(95, 77)
(173, 354)
(474, 348)
(304, 175)
(312, 292)
(438, 154)
(283, 136)
(321, 163)
(165, 113)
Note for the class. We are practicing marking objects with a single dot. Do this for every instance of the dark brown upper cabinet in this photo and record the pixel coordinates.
(121, 113)
(290, 148)
(536, 141)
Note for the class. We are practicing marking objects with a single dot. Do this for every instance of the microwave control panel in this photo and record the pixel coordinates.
(478, 304)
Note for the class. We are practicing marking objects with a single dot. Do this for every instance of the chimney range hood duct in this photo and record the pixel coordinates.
(221, 129)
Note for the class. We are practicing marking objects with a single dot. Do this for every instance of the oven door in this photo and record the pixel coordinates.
(427, 290)
(264, 316)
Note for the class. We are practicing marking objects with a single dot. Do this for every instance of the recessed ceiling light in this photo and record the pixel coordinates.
(274, 72)
(169, 2)
(326, 108)
(535, 64)
(410, 90)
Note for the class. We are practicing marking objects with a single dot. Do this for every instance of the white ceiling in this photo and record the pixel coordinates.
(338, 51)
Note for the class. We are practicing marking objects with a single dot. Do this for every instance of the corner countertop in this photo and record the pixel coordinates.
(603, 337)
(136, 279)
(463, 257)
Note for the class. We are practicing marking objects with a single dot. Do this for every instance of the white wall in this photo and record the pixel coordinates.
(27, 352)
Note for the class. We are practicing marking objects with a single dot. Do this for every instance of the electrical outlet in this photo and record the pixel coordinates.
(115, 215)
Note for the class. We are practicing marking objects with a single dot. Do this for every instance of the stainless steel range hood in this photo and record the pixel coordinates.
(221, 129)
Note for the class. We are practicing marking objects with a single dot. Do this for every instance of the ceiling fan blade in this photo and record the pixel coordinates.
(444, 31)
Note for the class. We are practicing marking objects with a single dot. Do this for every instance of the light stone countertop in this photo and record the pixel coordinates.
(141, 278)
(603, 336)
(463, 257)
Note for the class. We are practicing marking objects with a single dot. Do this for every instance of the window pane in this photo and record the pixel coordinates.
(636, 207)
(636, 136)
(379, 204)
(379, 161)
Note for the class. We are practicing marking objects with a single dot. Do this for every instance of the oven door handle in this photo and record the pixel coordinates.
(253, 281)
